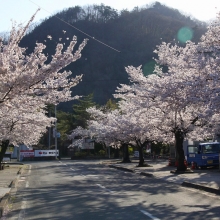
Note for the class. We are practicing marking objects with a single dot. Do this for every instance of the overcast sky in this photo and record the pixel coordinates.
(21, 10)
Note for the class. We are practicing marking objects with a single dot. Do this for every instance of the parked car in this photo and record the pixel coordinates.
(6, 159)
(136, 154)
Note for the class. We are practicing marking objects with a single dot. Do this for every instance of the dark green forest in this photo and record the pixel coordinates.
(127, 38)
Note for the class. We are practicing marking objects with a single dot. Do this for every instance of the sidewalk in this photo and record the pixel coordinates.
(8, 180)
(207, 179)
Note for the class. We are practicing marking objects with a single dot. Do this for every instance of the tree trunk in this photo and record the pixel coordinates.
(179, 137)
(126, 158)
(116, 153)
(4, 146)
(141, 157)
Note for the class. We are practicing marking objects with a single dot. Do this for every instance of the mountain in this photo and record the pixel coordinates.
(116, 40)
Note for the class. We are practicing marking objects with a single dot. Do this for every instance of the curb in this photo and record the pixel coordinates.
(132, 171)
(121, 168)
(188, 171)
(15, 181)
(14, 163)
(201, 187)
(6, 197)
(147, 174)
(3, 203)
(184, 184)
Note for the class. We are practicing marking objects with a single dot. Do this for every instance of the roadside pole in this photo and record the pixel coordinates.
(109, 154)
(49, 130)
(55, 133)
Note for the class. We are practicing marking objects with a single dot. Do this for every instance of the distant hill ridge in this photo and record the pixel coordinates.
(134, 33)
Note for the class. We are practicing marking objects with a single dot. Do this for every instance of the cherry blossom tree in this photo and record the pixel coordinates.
(189, 91)
(178, 102)
(174, 102)
(185, 97)
(131, 124)
(28, 82)
(99, 128)
(138, 110)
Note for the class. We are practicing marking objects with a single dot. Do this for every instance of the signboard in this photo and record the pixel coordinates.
(88, 146)
(56, 133)
(148, 148)
(27, 153)
(46, 153)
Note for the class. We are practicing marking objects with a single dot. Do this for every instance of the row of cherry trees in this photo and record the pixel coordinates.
(181, 99)
(28, 83)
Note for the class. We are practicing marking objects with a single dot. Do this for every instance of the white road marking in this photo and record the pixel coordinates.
(82, 175)
(103, 187)
(149, 215)
(27, 184)
(62, 163)
(202, 192)
(93, 176)
(72, 169)
(100, 186)
(21, 215)
(29, 171)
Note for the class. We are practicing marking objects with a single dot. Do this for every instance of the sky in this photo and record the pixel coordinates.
(22, 10)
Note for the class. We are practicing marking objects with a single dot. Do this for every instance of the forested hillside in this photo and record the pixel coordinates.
(134, 33)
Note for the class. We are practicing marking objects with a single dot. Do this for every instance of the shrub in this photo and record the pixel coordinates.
(102, 152)
(80, 154)
(130, 150)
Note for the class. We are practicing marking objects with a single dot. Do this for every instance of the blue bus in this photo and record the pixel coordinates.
(204, 155)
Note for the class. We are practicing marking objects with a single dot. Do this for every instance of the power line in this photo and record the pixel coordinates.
(77, 28)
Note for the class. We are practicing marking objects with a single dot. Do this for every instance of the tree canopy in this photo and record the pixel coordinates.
(28, 83)
(177, 102)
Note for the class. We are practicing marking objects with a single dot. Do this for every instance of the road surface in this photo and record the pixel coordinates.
(88, 190)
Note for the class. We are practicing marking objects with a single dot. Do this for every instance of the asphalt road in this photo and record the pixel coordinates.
(87, 190)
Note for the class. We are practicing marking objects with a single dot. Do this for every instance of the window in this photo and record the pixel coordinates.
(210, 148)
(192, 149)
